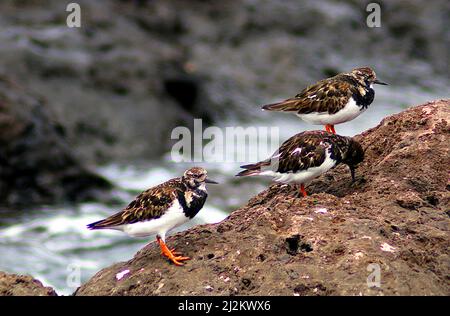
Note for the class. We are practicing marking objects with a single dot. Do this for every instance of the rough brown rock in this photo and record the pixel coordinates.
(22, 285)
(396, 216)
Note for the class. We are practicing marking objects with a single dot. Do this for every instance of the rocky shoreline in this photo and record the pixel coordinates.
(23, 285)
(395, 218)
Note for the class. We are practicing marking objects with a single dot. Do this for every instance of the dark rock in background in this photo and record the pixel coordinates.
(137, 69)
(324, 244)
(36, 164)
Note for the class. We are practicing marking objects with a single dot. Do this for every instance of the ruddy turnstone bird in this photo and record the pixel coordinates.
(334, 100)
(162, 208)
(306, 156)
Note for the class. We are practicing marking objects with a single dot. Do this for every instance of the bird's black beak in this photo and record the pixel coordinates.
(211, 181)
(352, 171)
(380, 82)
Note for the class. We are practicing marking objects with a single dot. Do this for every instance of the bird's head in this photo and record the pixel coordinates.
(196, 177)
(365, 76)
(353, 156)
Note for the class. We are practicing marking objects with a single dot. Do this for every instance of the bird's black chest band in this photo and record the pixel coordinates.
(364, 100)
(195, 205)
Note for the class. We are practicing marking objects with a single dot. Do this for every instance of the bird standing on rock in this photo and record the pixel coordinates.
(332, 101)
(162, 208)
(306, 156)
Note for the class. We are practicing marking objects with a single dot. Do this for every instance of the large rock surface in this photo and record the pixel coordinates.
(395, 216)
(22, 285)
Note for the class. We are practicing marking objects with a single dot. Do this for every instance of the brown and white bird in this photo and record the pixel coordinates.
(306, 156)
(162, 208)
(334, 100)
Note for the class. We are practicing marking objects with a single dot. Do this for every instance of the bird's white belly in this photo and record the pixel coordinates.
(172, 218)
(304, 176)
(348, 113)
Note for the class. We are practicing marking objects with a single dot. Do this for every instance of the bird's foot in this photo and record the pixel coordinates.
(174, 256)
(175, 253)
(301, 192)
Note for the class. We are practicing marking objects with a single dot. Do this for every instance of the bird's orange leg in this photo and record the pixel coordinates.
(302, 190)
(332, 129)
(171, 254)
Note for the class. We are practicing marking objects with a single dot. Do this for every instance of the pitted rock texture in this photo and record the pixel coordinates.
(394, 220)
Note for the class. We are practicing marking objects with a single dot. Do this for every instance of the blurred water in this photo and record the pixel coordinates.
(49, 242)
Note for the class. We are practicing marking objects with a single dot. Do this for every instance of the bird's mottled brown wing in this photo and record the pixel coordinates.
(302, 151)
(328, 95)
(148, 205)
(298, 153)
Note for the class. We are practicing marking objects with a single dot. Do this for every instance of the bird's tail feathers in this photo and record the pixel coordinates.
(111, 222)
(96, 225)
(251, 169)
(289, 105)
